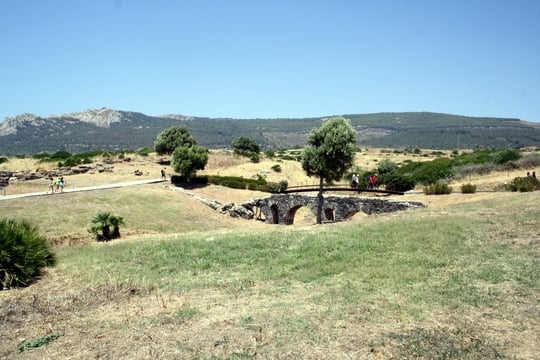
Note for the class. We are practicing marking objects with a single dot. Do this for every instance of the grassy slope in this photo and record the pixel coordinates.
(456, 282)
(450, 281)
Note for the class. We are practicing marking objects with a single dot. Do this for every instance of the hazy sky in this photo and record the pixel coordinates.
(271, 58)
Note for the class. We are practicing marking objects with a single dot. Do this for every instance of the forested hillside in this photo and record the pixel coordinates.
(30, 134)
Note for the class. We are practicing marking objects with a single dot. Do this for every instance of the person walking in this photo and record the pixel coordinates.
(163, 174)
(51, 185)
(354, 182)
(61, 184)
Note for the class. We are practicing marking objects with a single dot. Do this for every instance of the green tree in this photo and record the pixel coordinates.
(170, 139)
(246, 147)
(23, 253)
(506, 155)
(187, 160)
(387, 166)
(244, 143)
(329, 154)
(101, 226)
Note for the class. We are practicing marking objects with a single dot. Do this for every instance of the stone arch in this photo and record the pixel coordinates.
(330, 214)
(274, 212)
(291, 213)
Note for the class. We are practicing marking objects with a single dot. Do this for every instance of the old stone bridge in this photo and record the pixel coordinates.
(280, 209)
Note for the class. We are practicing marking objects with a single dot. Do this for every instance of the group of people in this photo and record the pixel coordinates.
(56, 185)
(373, 182)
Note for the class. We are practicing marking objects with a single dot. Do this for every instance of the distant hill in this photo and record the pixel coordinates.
(108, 129)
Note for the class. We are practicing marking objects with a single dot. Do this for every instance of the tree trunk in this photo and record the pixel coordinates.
(320, 201)
(116, 232)
(106, 230)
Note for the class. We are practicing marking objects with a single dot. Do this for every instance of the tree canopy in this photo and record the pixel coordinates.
(187, 160)
(247, 147)
(170, 139)
(329, 153)
(243, 143)
(330, 150)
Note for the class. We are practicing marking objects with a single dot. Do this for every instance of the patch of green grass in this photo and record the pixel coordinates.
(429, 283)
(145, 209)
(414, 264)
(42, 341)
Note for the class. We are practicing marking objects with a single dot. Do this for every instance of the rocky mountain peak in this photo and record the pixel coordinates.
(177, 117)
(103, 117)
(10, 124)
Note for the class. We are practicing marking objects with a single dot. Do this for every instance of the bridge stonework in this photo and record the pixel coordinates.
(281, 208)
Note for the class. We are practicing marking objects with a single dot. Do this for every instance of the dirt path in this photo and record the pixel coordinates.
(84, 188)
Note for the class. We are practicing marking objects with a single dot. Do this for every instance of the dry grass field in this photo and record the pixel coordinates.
(375, 287)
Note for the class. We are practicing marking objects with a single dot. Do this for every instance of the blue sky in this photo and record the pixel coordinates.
(271, 58)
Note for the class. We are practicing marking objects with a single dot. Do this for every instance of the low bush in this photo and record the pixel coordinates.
(468, 189)
(523, 184)
(529, 161)
(23, 253)
(438, 189)
(429, 172)
(269, 153)
(289, 157)
(234, 182)
(276, 168)
(397, 182)
(193, 181)
(277, 187)
(102, 223)
(475, 169)
(506, 155)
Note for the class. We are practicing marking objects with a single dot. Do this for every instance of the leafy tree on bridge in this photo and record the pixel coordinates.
(329, 154)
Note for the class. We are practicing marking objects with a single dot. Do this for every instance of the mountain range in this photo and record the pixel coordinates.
(109, 129)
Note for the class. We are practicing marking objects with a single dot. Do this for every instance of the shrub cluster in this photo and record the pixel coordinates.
(234, 182)
(398, 182)
(523, 184)
(468, 189)
(67, 159)
(23, 253)
(437, 189)
(480, 161)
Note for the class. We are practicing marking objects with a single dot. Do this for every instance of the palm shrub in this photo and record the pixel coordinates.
(23, 253)
(102, 223)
